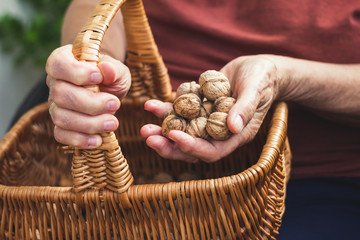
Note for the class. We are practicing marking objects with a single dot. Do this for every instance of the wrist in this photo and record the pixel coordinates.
(283, 79)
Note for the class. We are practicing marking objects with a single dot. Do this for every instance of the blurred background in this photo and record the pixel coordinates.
(29, 31)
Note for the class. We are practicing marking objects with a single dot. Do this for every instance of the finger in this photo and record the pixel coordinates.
(168, 149)
(77, 122)
(157, 107)
(62, 64)
(253, 86)
(243, 110)
(196, 147)
(49, 83)
(207, 151)
(117, 78)
(77, 98)
(149, 130)
(76, 139)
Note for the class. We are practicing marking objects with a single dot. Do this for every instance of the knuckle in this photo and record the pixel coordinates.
(79, 141)
(54, 90)
(65, 121)
(49, 81)
(125, 80)
(62, 95)
(49, 63)
(54, 63)
(61, 119)
(78, 77)
(57, 93)
(58, 136)
(54, 117)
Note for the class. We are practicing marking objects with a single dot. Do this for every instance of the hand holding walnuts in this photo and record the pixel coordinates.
(194, 105)
(252, 84)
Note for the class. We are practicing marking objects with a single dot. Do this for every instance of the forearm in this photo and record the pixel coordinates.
(327, 88)
(78, 12)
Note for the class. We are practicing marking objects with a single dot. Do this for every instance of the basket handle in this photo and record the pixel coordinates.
(149, 74)
(106, 167)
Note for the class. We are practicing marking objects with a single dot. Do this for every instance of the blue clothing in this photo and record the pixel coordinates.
(323, 208)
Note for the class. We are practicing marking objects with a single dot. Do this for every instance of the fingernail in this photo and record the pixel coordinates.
(155, 103)
(92, 141)
(96, 77)
(112, 105)
(238, 123)
(109, 126)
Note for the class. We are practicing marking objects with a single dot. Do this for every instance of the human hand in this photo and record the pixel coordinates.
(254, 84)
(79, 114)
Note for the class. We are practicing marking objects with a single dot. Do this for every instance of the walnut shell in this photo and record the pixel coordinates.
(187, 105)
(170, 112)
(224, 104)
(196, 128)
(188, 87)
(206, 109)
(172, 122)
(216, 126)
(214, 84)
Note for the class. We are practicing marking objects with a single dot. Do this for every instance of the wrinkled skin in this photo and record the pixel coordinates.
(256, 81)
(253, 82)
(78, 113)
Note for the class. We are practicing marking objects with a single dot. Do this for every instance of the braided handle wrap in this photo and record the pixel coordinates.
(105, 167)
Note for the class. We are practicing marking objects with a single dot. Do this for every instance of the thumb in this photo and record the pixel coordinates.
(117, 77)
(241, 113)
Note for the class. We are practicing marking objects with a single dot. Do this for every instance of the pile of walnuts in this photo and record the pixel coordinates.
(201, 109)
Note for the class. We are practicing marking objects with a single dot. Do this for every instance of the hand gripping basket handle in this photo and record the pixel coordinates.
(149, 74)
(106, 167)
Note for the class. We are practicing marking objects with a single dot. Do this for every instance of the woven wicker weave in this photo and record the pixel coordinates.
(47, 194)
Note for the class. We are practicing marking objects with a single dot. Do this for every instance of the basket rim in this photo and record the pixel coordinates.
(275, 140)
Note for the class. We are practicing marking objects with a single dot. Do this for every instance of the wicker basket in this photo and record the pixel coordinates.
(90, 194)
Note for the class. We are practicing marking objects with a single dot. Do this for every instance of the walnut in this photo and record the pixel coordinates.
(214, 84)
(187, 105)
(170, 112)
(224, 104)
(206, 109)
(216, 126)
(172, 122)
(188, 87)
(196, 128)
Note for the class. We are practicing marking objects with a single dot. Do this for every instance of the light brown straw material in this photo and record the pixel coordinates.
(47, 195)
